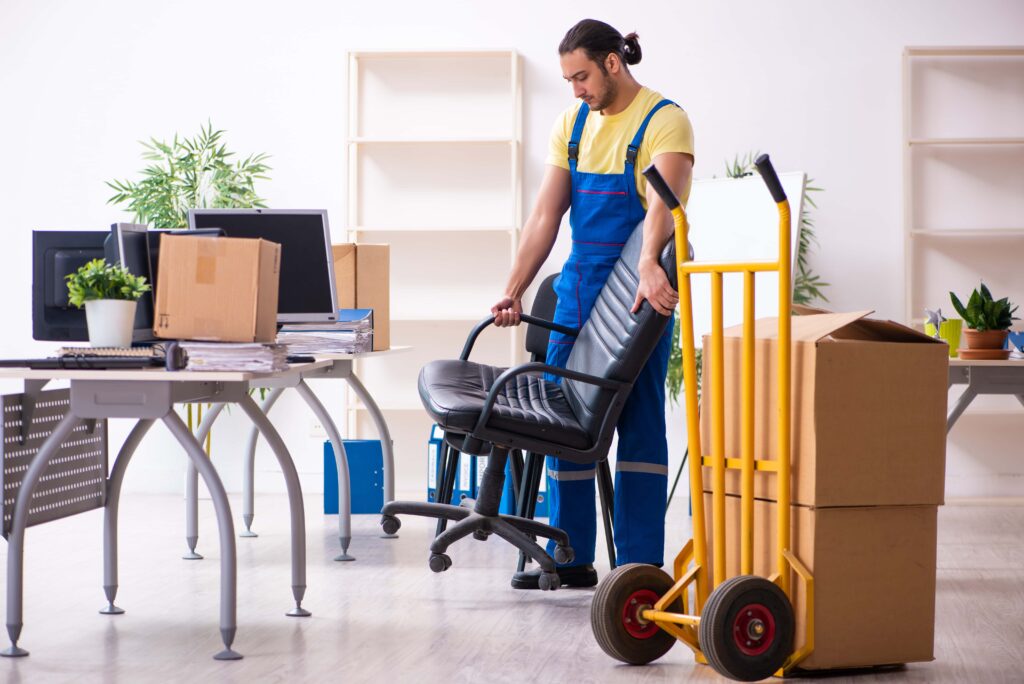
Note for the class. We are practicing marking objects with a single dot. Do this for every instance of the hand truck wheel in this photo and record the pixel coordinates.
(615, 614)
(746, 628)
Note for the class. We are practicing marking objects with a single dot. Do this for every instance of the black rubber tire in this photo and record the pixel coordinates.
(390, 524)
(439, 562)
(548, 581)
(564, 555)
(607, 608)
(718, 619)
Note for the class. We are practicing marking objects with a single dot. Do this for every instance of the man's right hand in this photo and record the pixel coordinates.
(506, 312)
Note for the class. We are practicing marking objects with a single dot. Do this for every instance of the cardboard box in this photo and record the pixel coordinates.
(362, 278)
(874, 578)
(217, 289)
(868, 417)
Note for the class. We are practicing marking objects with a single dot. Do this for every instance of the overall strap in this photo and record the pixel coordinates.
(634, 146)
(577, 133)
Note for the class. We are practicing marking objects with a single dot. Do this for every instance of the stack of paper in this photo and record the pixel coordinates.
(228, 356)
(326, 342)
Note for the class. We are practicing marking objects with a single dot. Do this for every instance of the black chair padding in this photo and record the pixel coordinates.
(613, 344)
(543, 307)
(454, 393)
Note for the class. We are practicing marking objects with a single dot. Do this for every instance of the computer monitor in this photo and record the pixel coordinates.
(55, 254)
(306, 293)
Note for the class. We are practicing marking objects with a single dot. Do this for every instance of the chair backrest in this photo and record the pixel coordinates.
(615, 343)
(543, 307)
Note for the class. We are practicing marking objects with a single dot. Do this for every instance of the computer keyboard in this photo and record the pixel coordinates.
(153, 351)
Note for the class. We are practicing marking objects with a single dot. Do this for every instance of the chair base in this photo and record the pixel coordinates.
(512, 529)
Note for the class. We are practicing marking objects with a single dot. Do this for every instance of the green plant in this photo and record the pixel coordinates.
(190, 173)
(100, 280)
(807, 286)
(983, 312)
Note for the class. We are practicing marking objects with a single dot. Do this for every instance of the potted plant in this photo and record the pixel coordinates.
(988, 321)
(109, 294)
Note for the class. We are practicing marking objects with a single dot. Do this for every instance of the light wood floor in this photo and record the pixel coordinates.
(386, 617)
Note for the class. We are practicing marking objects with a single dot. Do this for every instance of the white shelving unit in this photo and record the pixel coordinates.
(963, 161)
(434, 155)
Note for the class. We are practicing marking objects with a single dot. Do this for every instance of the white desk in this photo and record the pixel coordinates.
(984, 377)
(148, 395)
(328, 366)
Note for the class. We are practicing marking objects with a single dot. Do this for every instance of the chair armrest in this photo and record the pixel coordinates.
(538, 367)
(526, 318)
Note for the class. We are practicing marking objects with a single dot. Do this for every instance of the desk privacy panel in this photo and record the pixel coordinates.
(75, 479)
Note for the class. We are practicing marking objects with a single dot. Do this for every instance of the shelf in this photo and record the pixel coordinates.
(432, 141)
(914, 142)
(965, 51)
(424, 229)
(385, 407)
(447, 318)
(979, 233)
(427, 54)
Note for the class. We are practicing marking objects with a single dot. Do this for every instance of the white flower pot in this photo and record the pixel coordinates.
(110, 322)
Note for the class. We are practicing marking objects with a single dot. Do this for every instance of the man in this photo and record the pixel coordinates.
(597, 151)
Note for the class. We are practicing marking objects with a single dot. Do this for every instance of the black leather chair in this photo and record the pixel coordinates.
(486, 410)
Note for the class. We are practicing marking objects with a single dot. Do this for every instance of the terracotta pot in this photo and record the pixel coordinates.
(987, 339)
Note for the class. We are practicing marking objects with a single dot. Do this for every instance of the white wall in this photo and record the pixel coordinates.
(817, 84)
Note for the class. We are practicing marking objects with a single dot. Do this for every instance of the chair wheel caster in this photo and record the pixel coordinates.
(439, 562)
(390, 524)
(481, 535)
(548, 581)
(564, 554)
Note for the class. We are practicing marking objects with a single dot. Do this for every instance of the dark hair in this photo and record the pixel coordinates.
(599, 40)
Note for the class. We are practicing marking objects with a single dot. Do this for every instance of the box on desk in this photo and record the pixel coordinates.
(868, 411)
(362, 279)
(217, 289)
(874, 578)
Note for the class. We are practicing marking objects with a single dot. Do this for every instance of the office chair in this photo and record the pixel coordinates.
(527, 472)
(486, 410)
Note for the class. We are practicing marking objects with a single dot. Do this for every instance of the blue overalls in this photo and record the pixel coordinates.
(605, 208)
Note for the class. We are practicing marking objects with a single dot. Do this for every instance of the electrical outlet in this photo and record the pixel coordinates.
(316, 429)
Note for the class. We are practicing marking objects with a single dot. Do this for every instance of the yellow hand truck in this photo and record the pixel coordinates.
(742, 626)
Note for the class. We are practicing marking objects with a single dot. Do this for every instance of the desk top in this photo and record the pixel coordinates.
(157, 374)
(361, 355)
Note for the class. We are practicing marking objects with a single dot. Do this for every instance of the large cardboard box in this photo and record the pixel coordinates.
(868, 411)
(217, 289)
(362, 279)
(874, 578)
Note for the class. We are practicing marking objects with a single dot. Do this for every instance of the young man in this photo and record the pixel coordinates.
(597, 151)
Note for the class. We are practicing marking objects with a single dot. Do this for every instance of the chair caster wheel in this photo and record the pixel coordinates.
(439, 562)
(481, 535)
(564, 555)
(390, 524)
(548, 581)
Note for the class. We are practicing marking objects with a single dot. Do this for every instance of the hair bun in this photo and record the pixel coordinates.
(631, 48)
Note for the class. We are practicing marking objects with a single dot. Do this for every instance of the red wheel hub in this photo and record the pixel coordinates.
(753, 629)
(637, 602)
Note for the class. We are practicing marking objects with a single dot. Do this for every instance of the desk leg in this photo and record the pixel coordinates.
(298, 513)
(961, 405)
(16, 538)
(228, 562)
(110, 513)
(341, 460)
(385, 439)
(249, 465)
(192, 486)
(1020, 398)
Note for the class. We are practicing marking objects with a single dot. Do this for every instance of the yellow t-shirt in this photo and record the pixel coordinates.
(605, 138)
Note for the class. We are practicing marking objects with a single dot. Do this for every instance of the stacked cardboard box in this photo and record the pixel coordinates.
(362, 279)
(868, 443)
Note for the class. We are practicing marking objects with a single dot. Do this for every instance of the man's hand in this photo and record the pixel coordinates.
(506, 312)
(655, 288)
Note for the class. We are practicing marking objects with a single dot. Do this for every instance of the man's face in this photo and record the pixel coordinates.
(589, 83)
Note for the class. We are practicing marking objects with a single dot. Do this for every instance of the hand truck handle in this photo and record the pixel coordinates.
(771, 179)
(661, 187)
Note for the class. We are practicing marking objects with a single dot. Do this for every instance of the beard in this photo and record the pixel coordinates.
(606, 98)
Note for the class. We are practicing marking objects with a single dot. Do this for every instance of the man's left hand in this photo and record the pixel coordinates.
(655, 288)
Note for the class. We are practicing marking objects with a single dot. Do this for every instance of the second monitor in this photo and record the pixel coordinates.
(307, 292)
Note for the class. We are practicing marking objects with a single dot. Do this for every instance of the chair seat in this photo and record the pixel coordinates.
(454, 392)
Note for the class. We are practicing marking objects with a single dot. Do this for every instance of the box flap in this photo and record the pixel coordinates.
(883, 331)
(805, 328)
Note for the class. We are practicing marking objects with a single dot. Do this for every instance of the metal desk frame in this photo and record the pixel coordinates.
(150, 395)
(983, 377)
(333, 366)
